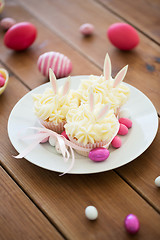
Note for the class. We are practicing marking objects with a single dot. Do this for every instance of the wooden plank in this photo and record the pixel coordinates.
(143, 65)
(146, 20)
(63, 199)
(20, 218)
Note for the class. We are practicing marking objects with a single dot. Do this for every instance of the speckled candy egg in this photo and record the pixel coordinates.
(131, 223)
(4, 77)
(7, 23)
(99, 154)
(20, 36)
(59, 63)
(123, 36)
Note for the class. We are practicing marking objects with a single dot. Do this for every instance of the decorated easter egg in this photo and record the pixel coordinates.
(86, 29)
(4, 77)
(131, 223)
(7, 23)
(126, 121)
(91, 213)
(123, 36)
(116, 142)
(99, 154)
(20, 36)
(123, 130)
(59, 63)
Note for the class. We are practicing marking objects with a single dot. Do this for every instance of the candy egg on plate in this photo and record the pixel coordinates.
(20, 36)
(99, 154)
(59, 63)
(5, 77)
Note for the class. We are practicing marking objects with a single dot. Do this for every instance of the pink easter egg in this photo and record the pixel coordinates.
(132, 224)
(123, 130)
(123, 36)
(2, 81)
(116, 142)
(20, 36)
(59, 63)
(86, 29)
(99, 154)
(6, 23)
(126, 121)
(65, 135)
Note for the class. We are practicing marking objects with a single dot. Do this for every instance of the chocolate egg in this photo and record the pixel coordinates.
(131, 223)
(99, 154)
(59, 63)
(4, 75)
(20, 36)
(123, 36)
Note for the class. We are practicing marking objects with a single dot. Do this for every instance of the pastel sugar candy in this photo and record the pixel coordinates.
(59, 63)
(123, 130)
(124, 113)
(52, 141)
(6, 23)
(126, 121)
(99, 154)
(157, 181)
(132, 224)
(116, 142)
(91, 213)
(86, 29)
(123, 36)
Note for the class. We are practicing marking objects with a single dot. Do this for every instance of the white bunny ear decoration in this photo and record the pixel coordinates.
(103, 112)
(91, 99)
(107, 67)
(53, 80)
(66, 86)
(120, 76)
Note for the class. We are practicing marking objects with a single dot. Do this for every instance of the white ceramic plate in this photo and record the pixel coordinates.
(140, 136)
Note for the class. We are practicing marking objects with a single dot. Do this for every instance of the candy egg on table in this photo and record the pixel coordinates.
(20, 36)
(59, 63)
(7, 23)
(132, 224)
(99, 154)
(86, 29)
(126, 121)
(116, 142)
(157, 181)
(123, 36)
(4, 77)
(91, 213)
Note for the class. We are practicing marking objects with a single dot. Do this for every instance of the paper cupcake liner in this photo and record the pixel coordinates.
(88, 146)
(58, 128)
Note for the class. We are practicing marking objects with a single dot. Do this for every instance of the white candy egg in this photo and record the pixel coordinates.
(157, 181)
(124, 113)
(52, 141)
(58, 148)
(91, 213)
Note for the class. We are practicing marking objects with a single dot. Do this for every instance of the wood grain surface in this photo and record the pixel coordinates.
(52, 207)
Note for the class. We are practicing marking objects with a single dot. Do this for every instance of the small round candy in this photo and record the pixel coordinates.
(123, 130)
(124, 113)
(58, 150)
(6, 23)
(86, 29)
(131, 223)
(52, 141)
(91, 213)
(157, 181)
(2, 81)
(126, 121)
(116, 142)
(65, 135)
(99, 154)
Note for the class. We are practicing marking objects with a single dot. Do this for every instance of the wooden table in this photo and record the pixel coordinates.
(38, 204)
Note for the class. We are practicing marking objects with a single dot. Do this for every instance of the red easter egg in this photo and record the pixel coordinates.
(20, 36)
(123, 36)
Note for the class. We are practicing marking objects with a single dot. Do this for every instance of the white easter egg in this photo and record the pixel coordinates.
(124, 113)
(52, 141)
(59, 63)
(91, 213)
(157, 181)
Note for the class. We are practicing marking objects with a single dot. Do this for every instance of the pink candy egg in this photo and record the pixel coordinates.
(86, 29)
(116, 142)
(99, 154)
(59, 63)
(132, 224)
(65, 135)
(123, 130)
(126, 121)
(123, 36)
(20, 36)
(6, 23)
(2, 81)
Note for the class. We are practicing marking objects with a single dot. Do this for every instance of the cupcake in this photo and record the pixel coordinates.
(52, 105)
(91, 125)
